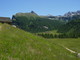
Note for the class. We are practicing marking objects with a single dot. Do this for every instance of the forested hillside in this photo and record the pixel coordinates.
(33, 23)
(69, 30)
(72, 28)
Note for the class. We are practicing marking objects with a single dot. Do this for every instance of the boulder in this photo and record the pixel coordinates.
(78, 55)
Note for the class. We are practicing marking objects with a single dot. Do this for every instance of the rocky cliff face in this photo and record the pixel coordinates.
(70, 14)
(67, 16)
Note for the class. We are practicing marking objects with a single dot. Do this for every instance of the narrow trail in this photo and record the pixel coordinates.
(69, 50)
(78, 54)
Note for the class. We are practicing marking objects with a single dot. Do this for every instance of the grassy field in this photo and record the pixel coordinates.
(16, 44)
(71, 43)
(50, 32)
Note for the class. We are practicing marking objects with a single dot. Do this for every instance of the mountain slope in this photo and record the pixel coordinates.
(71, 28)
(33, 23)
(67, 16)
(16, 44)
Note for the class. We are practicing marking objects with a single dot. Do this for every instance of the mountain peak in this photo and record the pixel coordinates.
(72, 13)
(33, 12)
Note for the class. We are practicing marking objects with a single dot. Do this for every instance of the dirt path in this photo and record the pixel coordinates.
(67, 48)
(78, 54)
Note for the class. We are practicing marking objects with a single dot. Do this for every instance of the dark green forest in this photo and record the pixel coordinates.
(71, 28)
(34, 23)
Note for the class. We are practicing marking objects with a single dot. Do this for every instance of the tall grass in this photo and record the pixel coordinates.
(16, 44)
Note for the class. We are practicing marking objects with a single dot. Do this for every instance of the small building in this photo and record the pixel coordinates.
(5, 20)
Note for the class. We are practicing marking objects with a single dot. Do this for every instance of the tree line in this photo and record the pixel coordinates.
(63, 35)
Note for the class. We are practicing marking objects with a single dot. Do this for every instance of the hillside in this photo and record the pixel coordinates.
(73, 44)
(33, 23)
(71, 28)
(16, 44)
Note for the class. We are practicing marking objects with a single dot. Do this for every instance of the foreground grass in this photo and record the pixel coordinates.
(72, 43)
(16, 44)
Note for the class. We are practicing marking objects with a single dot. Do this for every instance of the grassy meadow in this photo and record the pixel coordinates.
(16, 44)
(72, 43)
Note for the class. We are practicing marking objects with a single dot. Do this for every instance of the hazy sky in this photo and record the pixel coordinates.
(41, 7)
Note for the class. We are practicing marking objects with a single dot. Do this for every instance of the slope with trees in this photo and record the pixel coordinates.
(33, 23)
(72, 28)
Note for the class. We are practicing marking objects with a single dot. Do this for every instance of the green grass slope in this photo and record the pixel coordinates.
(16, 44)
(73, 44)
